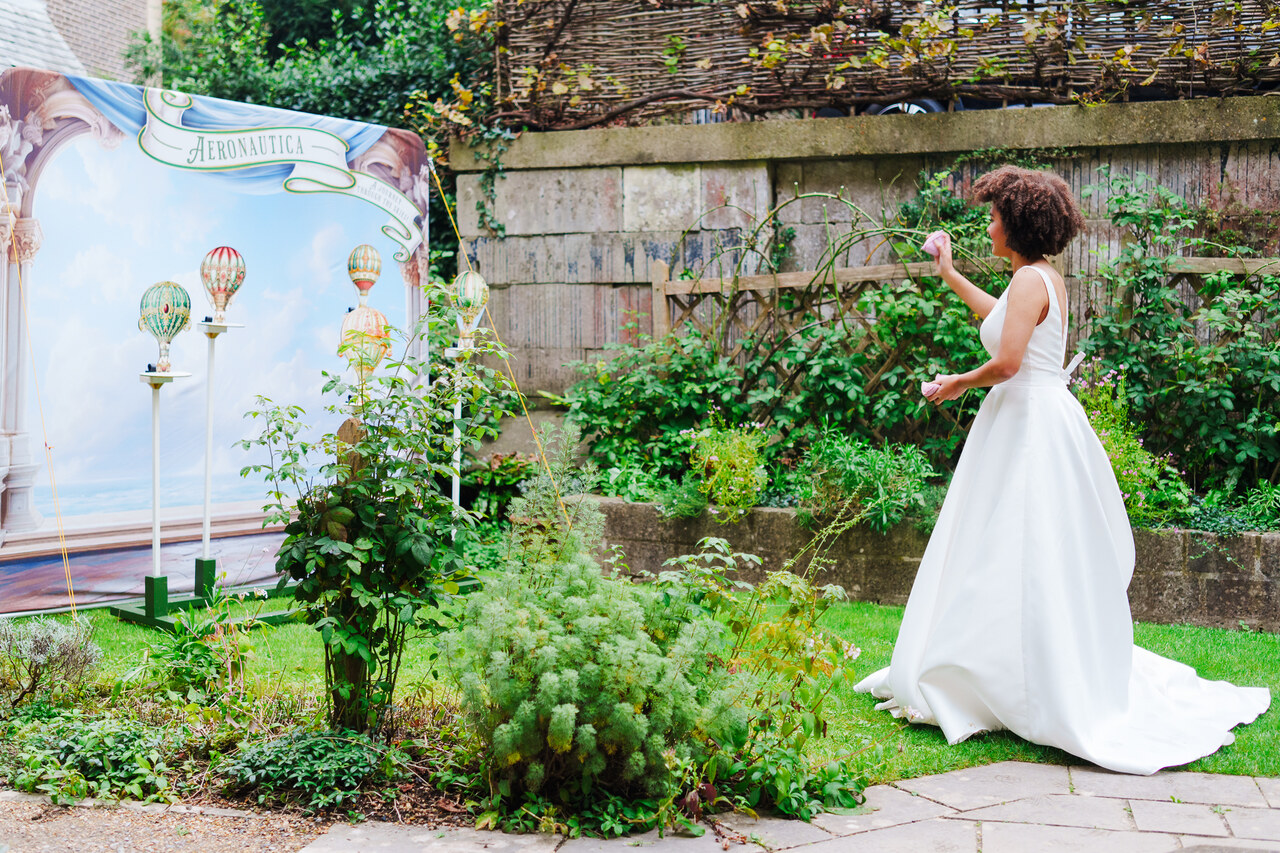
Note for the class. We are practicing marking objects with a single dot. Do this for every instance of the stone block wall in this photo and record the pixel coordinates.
(587, 212)
(1181, 576)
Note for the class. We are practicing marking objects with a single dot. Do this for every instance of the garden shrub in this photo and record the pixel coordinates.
(607, 706)
(317, 770)
(844, 477)
(1202, 373)
(41, 655)
(581, 684)
(728, 464)
(205, 656)
(577, 681)
(1154, 493)
(71, 756)
(365, 511)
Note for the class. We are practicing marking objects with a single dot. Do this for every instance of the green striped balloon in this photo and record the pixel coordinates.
(165, 311)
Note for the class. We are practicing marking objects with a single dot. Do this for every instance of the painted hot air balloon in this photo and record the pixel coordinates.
(365, 336)
(165, 311)
(222, 272)
(364, 266)
(470, 295)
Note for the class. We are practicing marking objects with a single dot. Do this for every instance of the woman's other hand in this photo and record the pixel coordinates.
(949, 387)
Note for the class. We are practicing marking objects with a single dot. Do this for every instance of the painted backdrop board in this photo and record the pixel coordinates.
(112, 188)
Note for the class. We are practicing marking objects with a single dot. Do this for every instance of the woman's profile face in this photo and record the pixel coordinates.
(996, 232)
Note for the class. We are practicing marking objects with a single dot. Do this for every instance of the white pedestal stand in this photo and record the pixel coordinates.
(206, 566)
(156, 593)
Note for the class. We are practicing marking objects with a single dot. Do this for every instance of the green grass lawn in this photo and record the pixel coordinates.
(290, 657)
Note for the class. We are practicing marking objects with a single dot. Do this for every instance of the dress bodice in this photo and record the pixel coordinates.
(1047, 349)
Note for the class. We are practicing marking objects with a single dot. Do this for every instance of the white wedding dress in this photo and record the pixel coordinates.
(1019, 617)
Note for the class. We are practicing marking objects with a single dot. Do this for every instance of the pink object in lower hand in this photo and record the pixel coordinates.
(933, 243)
(930, 388)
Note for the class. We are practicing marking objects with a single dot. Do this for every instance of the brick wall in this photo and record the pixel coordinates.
(98, 31)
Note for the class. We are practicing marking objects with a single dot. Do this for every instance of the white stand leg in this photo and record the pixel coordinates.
(208, 454)
(155, 480)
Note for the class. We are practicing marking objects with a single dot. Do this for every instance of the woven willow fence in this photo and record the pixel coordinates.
(574, 63)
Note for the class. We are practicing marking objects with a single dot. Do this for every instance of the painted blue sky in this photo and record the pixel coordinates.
(114, 223)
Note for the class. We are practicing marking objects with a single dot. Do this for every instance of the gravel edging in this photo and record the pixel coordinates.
(30, 823)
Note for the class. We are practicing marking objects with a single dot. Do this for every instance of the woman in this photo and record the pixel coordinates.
(1019, 617)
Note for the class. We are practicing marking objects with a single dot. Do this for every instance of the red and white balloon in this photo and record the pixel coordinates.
(222, 272)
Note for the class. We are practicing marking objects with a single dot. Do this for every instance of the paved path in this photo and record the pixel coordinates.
(1010, 807)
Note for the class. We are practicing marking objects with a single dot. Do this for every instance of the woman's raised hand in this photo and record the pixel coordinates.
(938, 244)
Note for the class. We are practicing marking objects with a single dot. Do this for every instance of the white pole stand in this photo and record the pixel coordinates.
(458, 353)
(206, 566)
(156, 594)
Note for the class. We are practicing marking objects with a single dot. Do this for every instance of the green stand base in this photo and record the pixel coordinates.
(206, 578)
(155, 608)
(155, 597)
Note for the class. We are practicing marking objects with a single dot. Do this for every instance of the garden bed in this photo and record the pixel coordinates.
(1181, 576)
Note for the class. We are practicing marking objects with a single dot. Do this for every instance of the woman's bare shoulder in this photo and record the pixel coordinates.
(1027, 286)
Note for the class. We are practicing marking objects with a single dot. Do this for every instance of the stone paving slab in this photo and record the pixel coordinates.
(930, 836)
(1062, 810)
(1189, 818)
(375, 837)
(976, 787)
(892, 808)
(775, 833)
(1194, 844)
(1262, 824)
(1210, 788)
(1270, 788)
(1024, 838)
(649, 841)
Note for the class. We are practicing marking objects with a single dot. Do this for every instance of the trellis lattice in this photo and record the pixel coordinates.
(767, 311)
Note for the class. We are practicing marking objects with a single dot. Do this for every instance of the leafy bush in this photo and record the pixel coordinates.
(685, 499)
(365, 513)
(1260, 507)
(578, 682)
(1154, 494)
(205, 655)
(852, 479)
(727, 462)
(786, 668)
(315, 769)
(72, 757)
(44, 655)
(1203, 373)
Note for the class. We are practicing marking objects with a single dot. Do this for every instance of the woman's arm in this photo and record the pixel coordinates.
(978, 300)
(1027, 302)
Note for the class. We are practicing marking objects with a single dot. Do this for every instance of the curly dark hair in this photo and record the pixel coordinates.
(1040, 215)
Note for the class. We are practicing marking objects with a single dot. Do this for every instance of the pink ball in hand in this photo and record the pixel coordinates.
(930, 388)
(933, 243)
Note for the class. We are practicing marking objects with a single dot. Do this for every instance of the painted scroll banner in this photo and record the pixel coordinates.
(318, 158)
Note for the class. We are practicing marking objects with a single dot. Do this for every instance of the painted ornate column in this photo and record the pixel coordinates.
(17, 502)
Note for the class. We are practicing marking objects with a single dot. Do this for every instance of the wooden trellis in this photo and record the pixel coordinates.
(769, 309)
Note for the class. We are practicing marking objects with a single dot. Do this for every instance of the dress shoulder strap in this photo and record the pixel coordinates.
(1053, 299)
